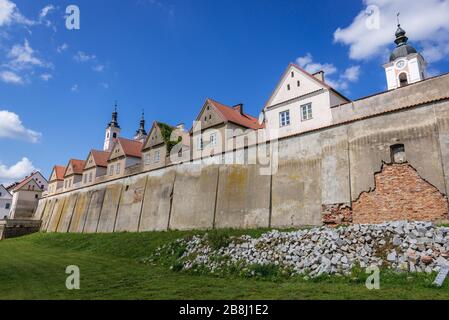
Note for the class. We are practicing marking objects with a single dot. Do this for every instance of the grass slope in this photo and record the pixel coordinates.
(33, 267)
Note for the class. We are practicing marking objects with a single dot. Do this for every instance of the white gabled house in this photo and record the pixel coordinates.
(26, 195)
(5, 202)
(300, 102)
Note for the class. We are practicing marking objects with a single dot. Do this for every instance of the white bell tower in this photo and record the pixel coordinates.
(112, 131)
(406, 65)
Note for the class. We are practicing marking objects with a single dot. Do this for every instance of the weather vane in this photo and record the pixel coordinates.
(399, 23)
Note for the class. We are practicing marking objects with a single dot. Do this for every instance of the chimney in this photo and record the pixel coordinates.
(319, 75)
(238, 107)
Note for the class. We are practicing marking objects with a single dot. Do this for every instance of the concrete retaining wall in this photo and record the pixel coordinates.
(157, 202)
(109, 209)
(131, 202)
(319, 172)
(194, 197)
(93, 213)
(80, 212)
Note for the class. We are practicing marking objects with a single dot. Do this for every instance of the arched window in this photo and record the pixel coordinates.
(397, 153)
(403, 81)
(114, 135)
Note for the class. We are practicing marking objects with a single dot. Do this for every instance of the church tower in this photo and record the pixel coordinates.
(406, 65)
(141, 133)
(112, 131)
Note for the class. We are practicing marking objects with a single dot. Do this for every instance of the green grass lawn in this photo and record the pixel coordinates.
(111, 266)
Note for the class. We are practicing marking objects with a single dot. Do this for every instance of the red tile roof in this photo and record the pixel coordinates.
(235, 116)
(77, 165)
(25, 181)
(60, 170)
(131, 148)
(100, 158)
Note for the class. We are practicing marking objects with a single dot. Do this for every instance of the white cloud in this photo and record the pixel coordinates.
(350, 75)
(16, 172)
(104, 85)
(23, 57)
(46, 10)
(81, 56)
(46, 76)
(10, 77)
(310, 66)
(74, 88)
(11, 127)
(43, 16)
(371, 35)
(21, 64)
(10, 14)
(98, 68)
(62, 48)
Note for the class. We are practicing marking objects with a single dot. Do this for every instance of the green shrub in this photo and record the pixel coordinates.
(218, 239)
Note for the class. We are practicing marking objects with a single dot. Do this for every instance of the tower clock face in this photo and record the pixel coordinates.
(400, 64)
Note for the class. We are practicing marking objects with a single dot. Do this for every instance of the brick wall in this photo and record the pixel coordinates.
(400, 194)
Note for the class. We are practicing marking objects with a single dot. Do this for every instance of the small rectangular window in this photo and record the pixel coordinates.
(147, 158)
(117, 170)
(288, 87)
(157, 156)
(284, 118)
(111, 170)
(213, 140)
(306, 112)
(200, 143)
(90, 177)
(7, 206)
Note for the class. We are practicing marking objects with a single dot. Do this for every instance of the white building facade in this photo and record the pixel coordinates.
(301, 102)
(5, 203)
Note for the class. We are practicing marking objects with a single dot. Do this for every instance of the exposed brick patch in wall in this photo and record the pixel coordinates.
(400, 194)
(336, 214)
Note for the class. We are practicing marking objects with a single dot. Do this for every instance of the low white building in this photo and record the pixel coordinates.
(5, 202)
(26, 195)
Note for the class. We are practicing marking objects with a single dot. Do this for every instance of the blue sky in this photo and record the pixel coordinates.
(58, 86)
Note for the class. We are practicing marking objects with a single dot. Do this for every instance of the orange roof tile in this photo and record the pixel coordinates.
(60, 170)
(100, 158)
(77, 165)
(235, 116)
(25, 181)
(131, 148)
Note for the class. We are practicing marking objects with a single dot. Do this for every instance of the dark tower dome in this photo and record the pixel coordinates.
(114, 121)
(141, 131)
(403, 49)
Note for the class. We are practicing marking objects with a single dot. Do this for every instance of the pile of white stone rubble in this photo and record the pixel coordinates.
(401, 246)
